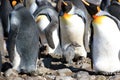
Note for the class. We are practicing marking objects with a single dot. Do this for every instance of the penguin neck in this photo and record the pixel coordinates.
(72, 10)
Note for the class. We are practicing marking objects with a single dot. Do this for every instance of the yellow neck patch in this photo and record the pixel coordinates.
(67, 16)
(14, 3)
(98, 19)
(118, 0)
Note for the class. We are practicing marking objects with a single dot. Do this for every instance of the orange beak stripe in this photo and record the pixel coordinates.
(65, 3)
(85, 2)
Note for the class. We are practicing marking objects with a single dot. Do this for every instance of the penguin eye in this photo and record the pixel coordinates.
(14, 2)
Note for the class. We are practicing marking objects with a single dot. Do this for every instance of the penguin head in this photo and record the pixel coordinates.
(15, 2)
(91, 8)
(64, 6)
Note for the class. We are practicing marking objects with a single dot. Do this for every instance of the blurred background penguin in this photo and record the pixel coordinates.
(23, 39)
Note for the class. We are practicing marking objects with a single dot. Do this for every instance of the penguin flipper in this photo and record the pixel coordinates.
(48, 33)
(11, 41)
(49, 30)
(49, 38)
(53, 25)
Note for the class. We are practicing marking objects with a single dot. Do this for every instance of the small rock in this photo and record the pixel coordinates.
(2, 78)
(85, 65)
(100, 77)
(43, 71)
(14, 78)
(35, 78)
(39, 78)
(92, 77)
(64, 78)
(51, 77)
(11, 72)
(82, 75)
(64, 72)
(28, 78)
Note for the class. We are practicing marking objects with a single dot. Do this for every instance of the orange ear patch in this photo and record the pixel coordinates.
(98, 19)
(14, 3)
(118, 0)
(67, 16)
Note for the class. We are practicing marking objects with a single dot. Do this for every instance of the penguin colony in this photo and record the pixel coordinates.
(29, 26)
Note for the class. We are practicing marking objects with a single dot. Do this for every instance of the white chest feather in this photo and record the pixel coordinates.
(72, 28)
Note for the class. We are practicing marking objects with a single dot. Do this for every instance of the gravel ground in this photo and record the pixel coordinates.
(51, 67)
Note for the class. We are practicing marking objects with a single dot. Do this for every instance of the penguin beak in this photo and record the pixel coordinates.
(85, 2)
(98, 9)
(14, 2)
(64, 3)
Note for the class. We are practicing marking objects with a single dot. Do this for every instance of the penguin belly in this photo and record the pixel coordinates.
(72, 31)
(43, 22)
(106, 45)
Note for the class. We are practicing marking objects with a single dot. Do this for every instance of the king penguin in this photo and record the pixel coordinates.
(72, 28)
(23, 39)
(47, 19)
(105, 45)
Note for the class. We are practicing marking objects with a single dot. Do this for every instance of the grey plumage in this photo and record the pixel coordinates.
(24, 36)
